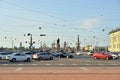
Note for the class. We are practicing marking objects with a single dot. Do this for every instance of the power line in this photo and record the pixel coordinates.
(33, 10)
(19, 18)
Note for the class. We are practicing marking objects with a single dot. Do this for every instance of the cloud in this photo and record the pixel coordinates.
(89, 23)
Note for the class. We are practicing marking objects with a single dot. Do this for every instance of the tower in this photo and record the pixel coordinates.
(78, 44)
(58, 44)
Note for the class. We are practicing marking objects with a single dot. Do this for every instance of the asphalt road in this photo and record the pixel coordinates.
(79, 68)
(77, 61)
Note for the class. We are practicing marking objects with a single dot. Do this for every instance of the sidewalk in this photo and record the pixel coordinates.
(60, 73)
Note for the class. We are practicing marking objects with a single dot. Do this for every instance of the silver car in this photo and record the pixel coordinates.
(114, 55)
(42, 56)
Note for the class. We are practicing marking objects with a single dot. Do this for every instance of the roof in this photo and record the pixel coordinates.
(115, 30)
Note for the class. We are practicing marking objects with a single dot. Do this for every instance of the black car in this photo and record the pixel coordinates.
(66, 55)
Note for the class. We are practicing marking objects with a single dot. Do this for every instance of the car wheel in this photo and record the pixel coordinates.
(107, 58)
(113, 57)
(95, 57)
(67, 56)
(51, 58)
(28, 60)
(10, 60)
(70, 56)
(39, 58)
(13, 60)
(59, 56)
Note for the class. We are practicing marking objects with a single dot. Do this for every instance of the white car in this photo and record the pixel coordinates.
(79, 53)
(90, 53)
(3, 55)
(114, 55)
(18, 57)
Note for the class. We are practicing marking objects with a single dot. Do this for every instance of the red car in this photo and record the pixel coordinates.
(100, 55)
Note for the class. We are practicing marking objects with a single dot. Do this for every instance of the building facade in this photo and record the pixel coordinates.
(115, 40)
(88, 48)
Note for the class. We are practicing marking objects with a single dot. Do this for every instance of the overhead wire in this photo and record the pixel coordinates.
(35, 11)
(32, 10)
(27, 9)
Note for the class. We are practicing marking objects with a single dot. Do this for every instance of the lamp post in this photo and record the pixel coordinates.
(104, 40)
(31, 41)
(78, 44)
(41, 41)
(94, 42)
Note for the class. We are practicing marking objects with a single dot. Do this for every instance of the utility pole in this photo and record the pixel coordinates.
(31, 42)
(65, 43)
(58, 44)
(78, 44)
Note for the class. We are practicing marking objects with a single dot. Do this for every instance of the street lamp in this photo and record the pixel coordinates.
(42, 34)
(104, 42)
(31, 41)
(41, 41)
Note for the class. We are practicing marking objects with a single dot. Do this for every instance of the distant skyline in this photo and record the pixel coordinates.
(92, 20)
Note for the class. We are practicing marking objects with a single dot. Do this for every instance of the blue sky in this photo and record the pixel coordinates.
(58, 18)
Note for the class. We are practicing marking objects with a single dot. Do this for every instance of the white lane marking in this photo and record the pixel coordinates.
(61, 64)
(47, 64)
(82, 68)
(74, 64)
(5, 64)
(100, 64)
(87, 64)
(34, 64)
(79, 60)
(20, 64)
(113, 64)
(19, 69)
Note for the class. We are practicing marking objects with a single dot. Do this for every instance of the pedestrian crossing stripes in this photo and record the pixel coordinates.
(59, 64)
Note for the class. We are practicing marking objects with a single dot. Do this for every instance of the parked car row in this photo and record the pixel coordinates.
(62, 55)
(28, 56)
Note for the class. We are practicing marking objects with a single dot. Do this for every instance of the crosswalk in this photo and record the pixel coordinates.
(60, 64)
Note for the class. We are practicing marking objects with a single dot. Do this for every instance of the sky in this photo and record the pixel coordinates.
(92, 20)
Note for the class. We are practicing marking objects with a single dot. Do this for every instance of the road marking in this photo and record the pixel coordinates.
(47, 64)
(100, 64)
(19, 69)
(113, 64)
(74, 64)
(34, 64)
(5, 64)
(20, 64)
(79, 60)
(87, 64)
(82, 68)
(61, 64)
